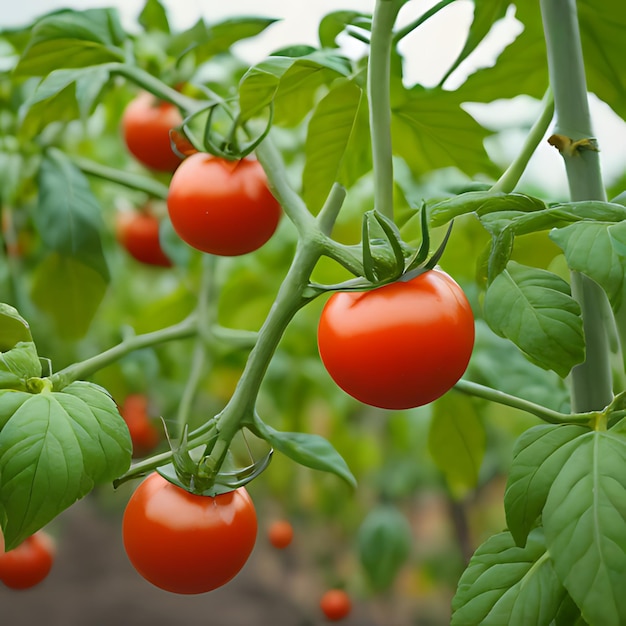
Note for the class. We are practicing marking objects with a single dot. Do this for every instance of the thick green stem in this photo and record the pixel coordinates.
(378, 85)
(289, 300)
(511, 177)
(591, 380)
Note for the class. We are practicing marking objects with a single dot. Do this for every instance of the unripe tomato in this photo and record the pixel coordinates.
(139, 234)
(29, 563)
(401, 345)
(222, 207)
(280, 534)
(146, 124)
(186, 543)
(143, 434)
(336, 605)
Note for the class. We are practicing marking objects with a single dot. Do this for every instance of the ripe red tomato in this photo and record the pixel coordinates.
(336, 604)
(146, 124)
(144, 435)
(139, 234)
(185, 543)
(401, 345)
(222, 207)
(29, 563)
(280, 533)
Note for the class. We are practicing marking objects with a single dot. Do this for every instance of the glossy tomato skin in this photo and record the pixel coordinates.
(139, 234)
(222, 207)
(185, 543)
(336, 605)
(146, 124)
(399, 346)
(29, 563)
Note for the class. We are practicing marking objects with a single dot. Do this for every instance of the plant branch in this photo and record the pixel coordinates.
(409, 28)
(378, 86)
(127, 179)
(78, 371)
(547, 415)
(592, 385)
(511, 177)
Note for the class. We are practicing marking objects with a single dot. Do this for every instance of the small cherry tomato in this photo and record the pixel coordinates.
(29, 563)
(280, 534)
(222, 207)
(336, 605)
(186, 543)
(143, 434)
(146, 124)
(401, 345)
(139, 234)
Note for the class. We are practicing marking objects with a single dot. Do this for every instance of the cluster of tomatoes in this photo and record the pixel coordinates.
(398, 346)
(216, 206)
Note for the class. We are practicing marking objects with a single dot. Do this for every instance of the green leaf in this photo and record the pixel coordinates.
(291, 84)
(538, 457)
(456, 441)
(431, 131)
(587, 248)
(19, 364)
(63, 95)
(70, 39)
(585, 525)
(209, 40)
(13, 327)
(69, 291)
(54, 448)
(534, 309)
(153, 17)
(506, 584)
(335, 23)
(602, 25)
(68, 215)
(483, 203)
(384, 544)
(486, 14)
(329, 132)
(307, 449)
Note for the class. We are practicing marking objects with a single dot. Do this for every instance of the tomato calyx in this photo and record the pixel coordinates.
(195, 470)
(386, 257)
(231, 144)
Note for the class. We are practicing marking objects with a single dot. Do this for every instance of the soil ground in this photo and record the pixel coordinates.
(93, 584)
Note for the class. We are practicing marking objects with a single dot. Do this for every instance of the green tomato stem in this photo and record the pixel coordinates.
(378, 93)
(409, 28)
(289, 300)
(547, 415)
(78, 371)
(592, 384)
(127, 179)
(155, 86)
(511, 177)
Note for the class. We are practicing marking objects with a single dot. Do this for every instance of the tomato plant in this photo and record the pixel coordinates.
(336, 605)
(146, 125)
(222, 207)
(383, 180)
(139, 234)
(143, 433)
(187, 543)
(280, 533)
(401, 345)
(29, 563)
